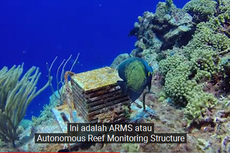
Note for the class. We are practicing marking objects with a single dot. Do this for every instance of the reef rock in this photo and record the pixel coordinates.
(169, 25)
(120, 58)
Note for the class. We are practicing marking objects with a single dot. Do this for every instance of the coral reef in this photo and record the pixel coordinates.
(193, 71)
(120, 58)
(201, 10)
(16, 95)
(209, 134)
(208, 37)
(46, 113)
(189, 50)
(169, 26)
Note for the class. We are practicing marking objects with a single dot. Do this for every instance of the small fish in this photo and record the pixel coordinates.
(136, 74)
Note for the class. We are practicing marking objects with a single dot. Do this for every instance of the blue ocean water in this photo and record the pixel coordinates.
(35, 32)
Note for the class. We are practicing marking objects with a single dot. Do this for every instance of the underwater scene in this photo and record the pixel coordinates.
(162, 86)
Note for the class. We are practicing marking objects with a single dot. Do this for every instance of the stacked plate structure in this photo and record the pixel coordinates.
(98, 98)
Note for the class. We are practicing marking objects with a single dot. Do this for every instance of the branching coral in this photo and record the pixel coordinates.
(198, 101)
(206, 64)
(187, 92)
(215, 32)
(201, 10)
(177, 83)
(207, 37)
(223, 6)
(188, 70)
(184, 78)
(171, 63)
